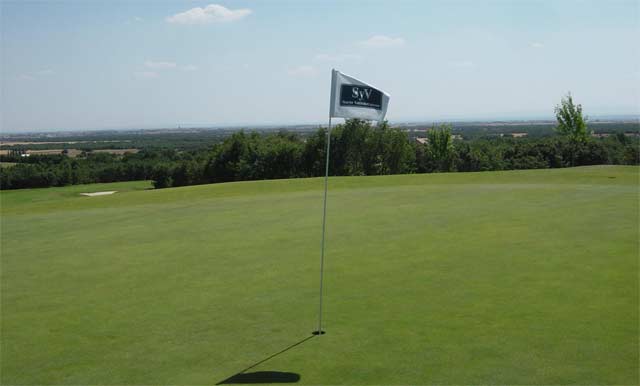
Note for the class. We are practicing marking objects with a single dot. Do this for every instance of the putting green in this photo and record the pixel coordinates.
(519, 277)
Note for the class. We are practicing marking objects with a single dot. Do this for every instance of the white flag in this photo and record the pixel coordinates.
(352, 98)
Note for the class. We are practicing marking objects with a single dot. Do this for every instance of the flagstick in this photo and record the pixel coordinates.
(324, 222)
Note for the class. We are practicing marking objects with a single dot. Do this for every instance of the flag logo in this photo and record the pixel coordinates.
(353, 98)
(359, 96)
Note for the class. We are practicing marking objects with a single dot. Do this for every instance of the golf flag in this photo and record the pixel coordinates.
(352, 98)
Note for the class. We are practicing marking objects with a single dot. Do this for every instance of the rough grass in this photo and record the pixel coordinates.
(523, 277)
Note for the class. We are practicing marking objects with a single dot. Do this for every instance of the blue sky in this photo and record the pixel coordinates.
(117, 64)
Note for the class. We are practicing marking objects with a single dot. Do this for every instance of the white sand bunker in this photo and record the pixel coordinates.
(98, 193)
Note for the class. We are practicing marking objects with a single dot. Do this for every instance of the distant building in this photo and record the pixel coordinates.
(518, 135)
(456, 136)
(422, 141)
(600, 135)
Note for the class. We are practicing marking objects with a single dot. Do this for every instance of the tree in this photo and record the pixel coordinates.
(314, 153)
(440, 148)
(162, 176)
(570, 121)
(348, 150)
(398, 154)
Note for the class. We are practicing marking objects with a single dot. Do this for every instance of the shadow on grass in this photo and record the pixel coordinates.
(262, 377)
(266, 376)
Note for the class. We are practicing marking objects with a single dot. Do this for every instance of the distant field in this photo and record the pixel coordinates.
(13, 143)
(116, 151)
(45, 152)
(520, 277)
(74, 152)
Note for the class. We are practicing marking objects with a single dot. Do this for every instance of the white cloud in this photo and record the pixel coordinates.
(383, 41)
(159, 65)
(147, 74)
(537, 45)
(336, 58)
(463, 64)
(189, 67)
(45, 72)
(212, 13)
(302, 71)
(36, 74)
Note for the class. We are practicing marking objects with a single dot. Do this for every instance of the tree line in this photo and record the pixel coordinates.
(357, 149)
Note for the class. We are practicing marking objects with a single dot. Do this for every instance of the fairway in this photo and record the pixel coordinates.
(518, 277)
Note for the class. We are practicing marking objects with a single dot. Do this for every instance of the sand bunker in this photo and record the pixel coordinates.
(98, 193)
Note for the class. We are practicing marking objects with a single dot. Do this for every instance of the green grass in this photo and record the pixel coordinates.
(522, 277)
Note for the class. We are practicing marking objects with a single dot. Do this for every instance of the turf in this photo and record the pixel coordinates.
(521, 277)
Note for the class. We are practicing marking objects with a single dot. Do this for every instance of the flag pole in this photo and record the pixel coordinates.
(324, 223)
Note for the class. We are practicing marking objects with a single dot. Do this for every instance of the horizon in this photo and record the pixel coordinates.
(70, 66)
(622, 118)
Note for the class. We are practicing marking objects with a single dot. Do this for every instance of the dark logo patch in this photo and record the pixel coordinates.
(360, 96)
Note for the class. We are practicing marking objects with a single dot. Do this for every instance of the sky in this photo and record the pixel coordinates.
(70, 65)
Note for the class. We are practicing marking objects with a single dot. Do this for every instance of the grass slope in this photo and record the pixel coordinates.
(486, 278)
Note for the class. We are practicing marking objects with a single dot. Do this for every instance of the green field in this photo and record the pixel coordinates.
(519, 277)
